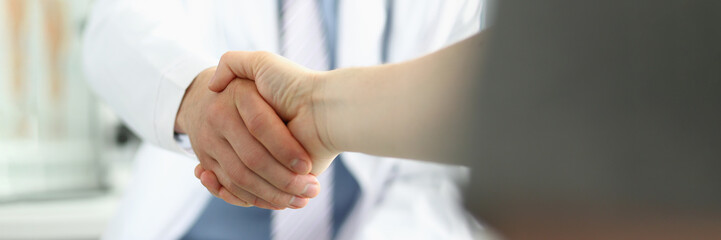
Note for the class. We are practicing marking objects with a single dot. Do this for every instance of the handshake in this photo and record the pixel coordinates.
(268, 126)
(257, 134)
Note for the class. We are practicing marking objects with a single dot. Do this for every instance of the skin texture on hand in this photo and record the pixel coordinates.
(394, 110)
(288, 88)
(241, 139)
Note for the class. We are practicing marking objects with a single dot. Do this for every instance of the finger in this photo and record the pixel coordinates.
(234, 64)
(210, 181)
(228, 197)
(254, 155)
(198, 170)
(266, 126)
(245, 196)
(244, 178)
(211, 184)
(206, 160)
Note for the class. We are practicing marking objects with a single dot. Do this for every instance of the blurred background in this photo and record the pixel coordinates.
(64, 157)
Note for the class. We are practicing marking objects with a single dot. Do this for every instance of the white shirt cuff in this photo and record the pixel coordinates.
(183, 142)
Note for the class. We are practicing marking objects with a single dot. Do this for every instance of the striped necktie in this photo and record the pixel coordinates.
(302, 36)
(303, 41)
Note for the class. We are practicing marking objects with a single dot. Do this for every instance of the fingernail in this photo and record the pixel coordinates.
(298, 202)
(311, 190)
(299, 166)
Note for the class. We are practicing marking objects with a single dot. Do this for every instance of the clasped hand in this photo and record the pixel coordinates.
(256, 134)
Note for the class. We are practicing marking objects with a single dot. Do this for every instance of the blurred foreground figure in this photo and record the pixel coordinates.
(600, 120)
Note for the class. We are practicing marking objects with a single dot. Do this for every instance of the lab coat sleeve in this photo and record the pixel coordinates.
(468, 20)
(139, 57)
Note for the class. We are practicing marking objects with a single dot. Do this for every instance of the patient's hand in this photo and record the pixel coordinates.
(290, 89)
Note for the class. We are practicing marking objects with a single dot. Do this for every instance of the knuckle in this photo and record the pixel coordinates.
(217, 117)
(227, 184)
(255, 158)
(211, 121)
(240, 201)
(254, 200)
(257, 124)
(215, 108)
(225, 56)
(278, 199)
(253, 162)
(240, 179)
(290, 183)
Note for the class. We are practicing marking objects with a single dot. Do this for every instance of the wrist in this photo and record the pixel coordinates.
(190, 99)
(346, 103)
(335, 105)
(319, 103)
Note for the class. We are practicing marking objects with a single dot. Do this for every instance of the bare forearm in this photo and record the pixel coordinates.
(405, 110)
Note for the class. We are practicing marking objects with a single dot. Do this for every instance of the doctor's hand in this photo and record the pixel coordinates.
(289, 89)
(239, 137)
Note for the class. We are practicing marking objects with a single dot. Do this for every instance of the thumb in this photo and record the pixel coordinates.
(236, 64)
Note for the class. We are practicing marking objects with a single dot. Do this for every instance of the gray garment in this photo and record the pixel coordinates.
(598, 104)
(221, 220)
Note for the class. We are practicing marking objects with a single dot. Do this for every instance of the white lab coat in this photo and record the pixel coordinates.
(141, 55)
